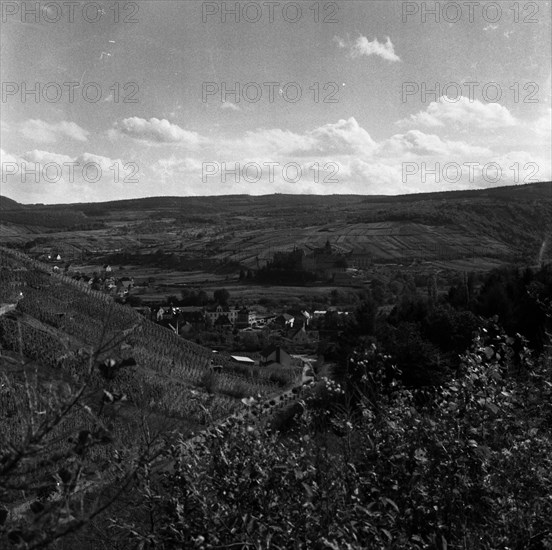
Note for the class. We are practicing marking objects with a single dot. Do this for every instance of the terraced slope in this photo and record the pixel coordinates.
(60, 321)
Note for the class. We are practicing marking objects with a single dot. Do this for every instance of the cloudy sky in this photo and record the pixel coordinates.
(179, 98)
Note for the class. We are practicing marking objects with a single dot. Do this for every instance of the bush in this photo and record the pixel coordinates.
(466, 467)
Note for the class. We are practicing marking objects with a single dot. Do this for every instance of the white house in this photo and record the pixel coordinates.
(214, 314)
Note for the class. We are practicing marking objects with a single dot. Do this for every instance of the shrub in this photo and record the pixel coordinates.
(465, 467)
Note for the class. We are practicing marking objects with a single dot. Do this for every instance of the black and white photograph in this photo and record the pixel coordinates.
(276, 274)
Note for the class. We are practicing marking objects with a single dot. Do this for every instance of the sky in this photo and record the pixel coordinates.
(112, 100)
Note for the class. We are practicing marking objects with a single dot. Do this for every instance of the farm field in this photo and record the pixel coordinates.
(206, 241)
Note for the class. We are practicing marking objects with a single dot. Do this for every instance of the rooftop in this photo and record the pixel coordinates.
(242, 359)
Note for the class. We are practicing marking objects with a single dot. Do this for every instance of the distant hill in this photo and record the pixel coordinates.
(503, 223)
(213, 203)
(526, 191)
(9, 204)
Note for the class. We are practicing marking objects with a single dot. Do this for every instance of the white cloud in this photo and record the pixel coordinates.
(417, 144)
(156, 131)
(344, 137)
(45, 132)
(229, 105)
(49, 177)
(364, 47)
(45, 157)
(338, 157)
(543, 126)
(342, 151)
(173, 165)
(463, 112)
(8, 163)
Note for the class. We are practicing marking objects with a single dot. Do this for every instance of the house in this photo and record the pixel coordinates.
(284, 320)
(306, 317)
(262, 320)
(161, 314)
(218, 311)
(192, 314)
(127, 283)
(324, 262)
(274, 355)
(120, 289)
(298, 335)
(244, 318)
(301, 319)
(110, 283)
(222, 321)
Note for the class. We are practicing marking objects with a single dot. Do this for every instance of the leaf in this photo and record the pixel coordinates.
(391, 502)
(484, 452)
(492, 407)
(250, 525)
(332, 545)
(488, 351)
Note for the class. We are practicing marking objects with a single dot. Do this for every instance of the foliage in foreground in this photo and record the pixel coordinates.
(467, 466)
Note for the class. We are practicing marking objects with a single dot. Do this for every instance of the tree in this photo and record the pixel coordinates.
(250, 341)
(221, 296)
(172, 300)
(46, 457)
(202, 298)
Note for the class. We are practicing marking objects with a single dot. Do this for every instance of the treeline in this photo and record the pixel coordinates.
(163, 259)
(59, 219)
(425, 334)
(285, 269)
(283, 276)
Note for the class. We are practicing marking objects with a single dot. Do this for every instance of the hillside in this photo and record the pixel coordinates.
(9, 204)
(503, 225)
(70, 336)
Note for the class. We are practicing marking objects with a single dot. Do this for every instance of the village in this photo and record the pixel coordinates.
(252, 335)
